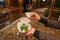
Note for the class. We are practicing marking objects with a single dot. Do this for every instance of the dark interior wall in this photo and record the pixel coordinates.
(45, 3)
(25, 4)
(14, 3)
(57, 4)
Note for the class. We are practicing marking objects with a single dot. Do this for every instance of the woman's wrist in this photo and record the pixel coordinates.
(42, 20)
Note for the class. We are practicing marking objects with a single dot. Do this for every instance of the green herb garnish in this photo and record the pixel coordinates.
(23, 27)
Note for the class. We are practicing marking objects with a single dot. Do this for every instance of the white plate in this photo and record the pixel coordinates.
(25, 20)
(19, 26)
(28, 14)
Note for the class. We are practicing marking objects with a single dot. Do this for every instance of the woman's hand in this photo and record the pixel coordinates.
(31, 31)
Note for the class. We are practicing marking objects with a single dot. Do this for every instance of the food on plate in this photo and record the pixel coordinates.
(23, 27)
(33, 16)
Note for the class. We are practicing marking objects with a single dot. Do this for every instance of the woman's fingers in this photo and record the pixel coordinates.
(31, 31)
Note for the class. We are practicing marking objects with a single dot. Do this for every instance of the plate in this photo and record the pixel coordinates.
(19, 25)
(25, 20)
(28, 14)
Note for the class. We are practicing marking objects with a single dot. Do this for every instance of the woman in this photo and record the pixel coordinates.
(47, 34)
(33, 31)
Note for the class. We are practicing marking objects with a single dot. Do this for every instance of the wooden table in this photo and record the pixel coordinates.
(11, 32)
